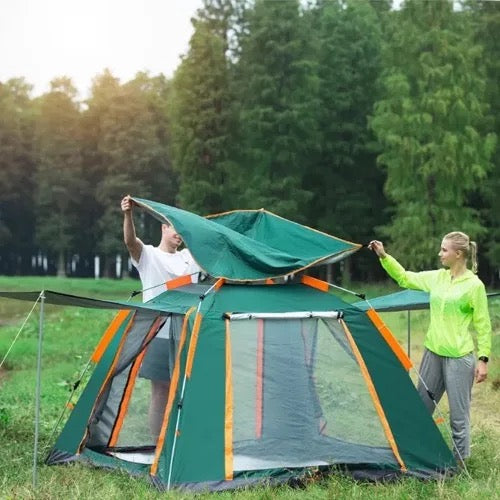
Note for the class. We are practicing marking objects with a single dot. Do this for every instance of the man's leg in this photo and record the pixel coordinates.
(159, 396)
(431, 372)
(459, 378)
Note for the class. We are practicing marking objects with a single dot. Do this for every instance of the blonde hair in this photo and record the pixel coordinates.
(460, 241)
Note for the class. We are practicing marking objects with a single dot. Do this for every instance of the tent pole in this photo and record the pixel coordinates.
(408, 326)
(181, 401)
(38, 387)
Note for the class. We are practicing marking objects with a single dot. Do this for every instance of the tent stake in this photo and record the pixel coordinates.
(38, 387)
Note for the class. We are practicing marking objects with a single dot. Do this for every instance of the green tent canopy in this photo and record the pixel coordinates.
(269, 383)
(250, 245)
(406, 300)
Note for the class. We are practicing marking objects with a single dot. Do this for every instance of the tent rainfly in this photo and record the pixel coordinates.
(269, 380)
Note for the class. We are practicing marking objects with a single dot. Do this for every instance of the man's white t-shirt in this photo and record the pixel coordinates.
(156, 267)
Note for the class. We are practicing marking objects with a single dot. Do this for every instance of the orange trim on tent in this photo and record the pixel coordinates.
(110, 371)
(374, 396)
(171, 394)
(178, 282)
(109, 334)
(219, 283)
(122, 411)
(218, 214)
(390, 339)
(229, 408)
(315, 283)
(260, 380)
(192, 344)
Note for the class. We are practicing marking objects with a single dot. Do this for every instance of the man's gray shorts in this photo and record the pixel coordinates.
(156, 362)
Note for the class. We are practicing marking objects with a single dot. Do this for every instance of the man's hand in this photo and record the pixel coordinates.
(481, 371)
(127, 204)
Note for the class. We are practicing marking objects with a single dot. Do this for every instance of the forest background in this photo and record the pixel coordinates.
(346, 115)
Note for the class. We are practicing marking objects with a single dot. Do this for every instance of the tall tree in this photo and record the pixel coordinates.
(202, 114)
(429, 124)
(347, 184)
(59, 177)
(486, 16)
(126, 152)
(16, 176)
(277, 86)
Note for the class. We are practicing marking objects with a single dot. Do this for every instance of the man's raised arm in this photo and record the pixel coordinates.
(133, 243)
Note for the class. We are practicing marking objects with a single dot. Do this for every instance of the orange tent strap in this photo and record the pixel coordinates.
(390, 339)
(315, 283)
(374, 396)
(229, 407)
(171, 394)
(110, 371)
(178, 282)
(219, 283)
(192, 344)
(109, 334)
(123, 408)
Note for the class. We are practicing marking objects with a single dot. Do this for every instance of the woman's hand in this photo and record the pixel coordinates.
(378, 248)
(481, 371)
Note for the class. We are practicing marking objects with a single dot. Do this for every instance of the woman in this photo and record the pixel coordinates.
(457, 298)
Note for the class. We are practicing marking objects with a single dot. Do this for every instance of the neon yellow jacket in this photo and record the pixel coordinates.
(454, 305)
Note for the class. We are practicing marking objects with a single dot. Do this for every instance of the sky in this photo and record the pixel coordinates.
(44, 39)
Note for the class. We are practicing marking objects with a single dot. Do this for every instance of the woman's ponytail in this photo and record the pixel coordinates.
(473, 256)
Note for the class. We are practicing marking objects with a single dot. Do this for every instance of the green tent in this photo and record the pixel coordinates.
(269, 383)
(270, 379)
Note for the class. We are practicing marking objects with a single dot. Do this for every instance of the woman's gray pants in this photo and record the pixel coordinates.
(455, 376)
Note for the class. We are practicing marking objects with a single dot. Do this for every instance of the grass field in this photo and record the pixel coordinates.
(71, 335)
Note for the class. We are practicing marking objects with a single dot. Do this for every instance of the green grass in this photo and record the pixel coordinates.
(70, 337)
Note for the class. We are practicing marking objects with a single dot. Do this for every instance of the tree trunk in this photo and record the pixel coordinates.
(346, 272)
(329, 273)
(61, 265)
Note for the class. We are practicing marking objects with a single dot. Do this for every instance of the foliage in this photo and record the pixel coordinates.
(59, 174)
(344, 178)
(16, 172)
(486, 16)
(430, 126)
(125, 151)
(350, 116)
(277, 102)
(202, 113)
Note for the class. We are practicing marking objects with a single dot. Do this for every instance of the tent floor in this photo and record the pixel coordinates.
(240, 462)
(277, 453)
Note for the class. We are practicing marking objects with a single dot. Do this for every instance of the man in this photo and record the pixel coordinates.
(156, 265)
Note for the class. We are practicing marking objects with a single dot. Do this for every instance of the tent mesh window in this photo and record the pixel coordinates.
(130, 411)
(299, 397)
